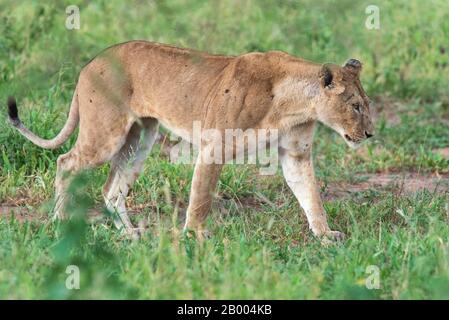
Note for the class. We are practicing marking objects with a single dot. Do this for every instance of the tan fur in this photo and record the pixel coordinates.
(136, 85)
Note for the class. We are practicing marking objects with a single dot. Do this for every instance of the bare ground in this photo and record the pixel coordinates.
(398, 184)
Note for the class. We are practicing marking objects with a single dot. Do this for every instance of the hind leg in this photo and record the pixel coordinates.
(78, 159)
(105, 119)
(93, 148)
(66, 165)
(125, 169)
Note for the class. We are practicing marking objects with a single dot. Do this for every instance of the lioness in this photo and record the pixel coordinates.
(131, 88)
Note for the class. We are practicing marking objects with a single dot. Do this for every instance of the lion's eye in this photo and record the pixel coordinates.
(356, 107)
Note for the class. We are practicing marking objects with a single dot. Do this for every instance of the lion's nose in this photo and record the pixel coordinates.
(369, 134)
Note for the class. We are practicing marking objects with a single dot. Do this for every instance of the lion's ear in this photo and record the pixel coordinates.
(326, 76)
(330, 79)
(354, 66)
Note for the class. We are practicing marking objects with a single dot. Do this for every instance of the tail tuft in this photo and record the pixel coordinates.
(13, 112)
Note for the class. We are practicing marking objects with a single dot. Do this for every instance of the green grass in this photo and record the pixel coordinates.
(260, 249)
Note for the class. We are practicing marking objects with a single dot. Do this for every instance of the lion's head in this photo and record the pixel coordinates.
(344, 106)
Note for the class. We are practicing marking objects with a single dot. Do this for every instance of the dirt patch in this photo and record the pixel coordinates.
(392, 110)
(23, 197)
(27, 213)
(387, 108)
(444, 152)
(396, 183)
(21, 213)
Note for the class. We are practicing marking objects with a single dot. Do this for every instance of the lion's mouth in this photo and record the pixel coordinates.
(352, 142)
(352, 139)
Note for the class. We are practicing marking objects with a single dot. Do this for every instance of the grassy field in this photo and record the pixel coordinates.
(390, 197)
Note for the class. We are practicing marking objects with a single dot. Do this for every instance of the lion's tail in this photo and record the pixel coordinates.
(57, 141)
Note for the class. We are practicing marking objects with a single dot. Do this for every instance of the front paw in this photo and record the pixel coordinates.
(332, 237)
(200, 234)
(133, 233)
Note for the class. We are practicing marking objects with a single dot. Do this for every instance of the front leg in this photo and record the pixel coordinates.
(204, 181)
(300, 177)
